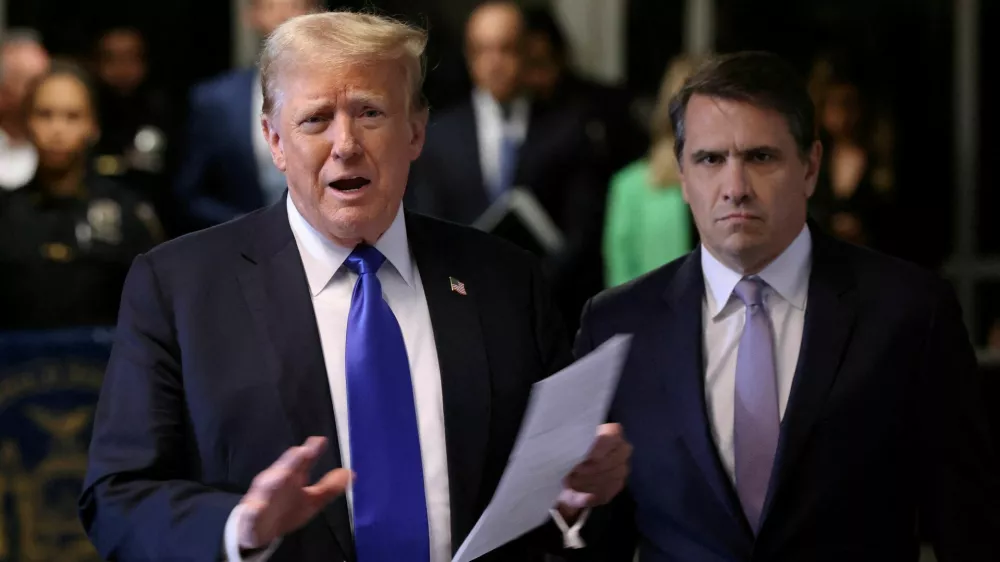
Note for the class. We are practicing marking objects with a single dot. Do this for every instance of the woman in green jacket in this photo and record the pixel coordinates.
(648, 223)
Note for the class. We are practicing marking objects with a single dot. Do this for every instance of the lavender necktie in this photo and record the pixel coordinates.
(757, 418)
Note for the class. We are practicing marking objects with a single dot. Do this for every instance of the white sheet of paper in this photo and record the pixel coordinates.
(559, 427)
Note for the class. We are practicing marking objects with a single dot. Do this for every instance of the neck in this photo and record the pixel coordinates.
(62, 183)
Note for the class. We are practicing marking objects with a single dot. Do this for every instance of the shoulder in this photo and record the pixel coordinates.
(208, 254)
(219, 89)
(883, 278)
(637, 294)
(477, 249)
(446, 119)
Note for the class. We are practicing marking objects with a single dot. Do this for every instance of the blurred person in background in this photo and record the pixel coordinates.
(616, 135)
(501, 138)
(22, 59)
(854, 182)
(226, 169)
(69, 236)
(135, 118)
(648, 222)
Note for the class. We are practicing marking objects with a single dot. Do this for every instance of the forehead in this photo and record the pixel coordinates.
(492, 24)
(61, 91)
(716, 124)
(311, 83)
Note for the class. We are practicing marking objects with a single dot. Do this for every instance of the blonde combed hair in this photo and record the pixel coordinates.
(342, 37)
(663, 168)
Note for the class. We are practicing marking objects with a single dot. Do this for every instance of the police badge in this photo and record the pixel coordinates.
(105, 218)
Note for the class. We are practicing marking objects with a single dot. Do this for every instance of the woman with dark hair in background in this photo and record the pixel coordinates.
(68, 237)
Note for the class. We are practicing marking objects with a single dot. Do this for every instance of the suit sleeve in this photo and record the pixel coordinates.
(190, 185)
(959, 480)
(140, 499)
(610, 534)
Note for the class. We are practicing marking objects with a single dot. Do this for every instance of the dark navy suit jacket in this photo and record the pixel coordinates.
(217, 369)
(884, 429)
(217, 179)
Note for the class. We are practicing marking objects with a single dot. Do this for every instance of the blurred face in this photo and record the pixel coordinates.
(841, 110)
(493, 49)
(122, 60)
(541, 66)
(22, 64)
(745, 181)
(61, 122)
(264, 16)
(345, 137)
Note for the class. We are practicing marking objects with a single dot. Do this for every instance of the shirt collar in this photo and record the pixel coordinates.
(788, 275)
(321, 258)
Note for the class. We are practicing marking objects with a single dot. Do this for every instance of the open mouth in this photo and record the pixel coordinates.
(349, 184)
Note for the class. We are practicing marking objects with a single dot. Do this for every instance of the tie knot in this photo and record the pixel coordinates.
(365, 259)
(750, 290)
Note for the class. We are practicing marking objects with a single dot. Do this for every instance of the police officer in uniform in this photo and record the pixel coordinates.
(68, 238)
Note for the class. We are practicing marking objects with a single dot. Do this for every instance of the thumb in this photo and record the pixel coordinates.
(574, 499)
(329, 487)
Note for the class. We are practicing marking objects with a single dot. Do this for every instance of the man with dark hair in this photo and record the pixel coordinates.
(789, 396)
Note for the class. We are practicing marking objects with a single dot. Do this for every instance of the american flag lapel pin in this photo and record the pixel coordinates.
(457, 286)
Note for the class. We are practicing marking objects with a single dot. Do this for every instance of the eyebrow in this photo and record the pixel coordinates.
(761, 149)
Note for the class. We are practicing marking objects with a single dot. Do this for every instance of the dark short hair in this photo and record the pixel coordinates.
(540, 20)
(758, 78)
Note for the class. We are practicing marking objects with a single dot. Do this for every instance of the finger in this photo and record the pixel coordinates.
(615, 457)
(328, 488)
(614, 479)
(609, 437)
(301, 458)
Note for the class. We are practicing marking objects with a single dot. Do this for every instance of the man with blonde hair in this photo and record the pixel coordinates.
(262, 363)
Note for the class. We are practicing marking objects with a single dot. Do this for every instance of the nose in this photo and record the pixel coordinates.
(345, 142)
(736, 187)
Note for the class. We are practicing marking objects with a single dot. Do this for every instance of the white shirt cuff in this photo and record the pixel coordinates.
(231, 540)
(571, 535)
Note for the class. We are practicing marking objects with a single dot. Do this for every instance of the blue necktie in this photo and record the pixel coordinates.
(390, 511)
(508, 165)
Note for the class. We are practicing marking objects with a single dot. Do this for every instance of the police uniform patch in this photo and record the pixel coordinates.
(105, 219)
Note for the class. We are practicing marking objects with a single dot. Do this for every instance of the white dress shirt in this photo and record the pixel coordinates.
(723, 316)
(331, 286)
(18, 162)
(492, 126)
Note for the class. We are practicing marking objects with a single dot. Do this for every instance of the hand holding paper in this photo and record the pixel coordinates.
(556, 440)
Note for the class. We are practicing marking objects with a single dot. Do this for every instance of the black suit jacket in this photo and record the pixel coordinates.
(556, 162)
(884, 428)
(217, 369)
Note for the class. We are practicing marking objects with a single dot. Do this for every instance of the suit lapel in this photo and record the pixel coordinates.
(465, 375)
(680, 355)
(830, 312)
(277, 292)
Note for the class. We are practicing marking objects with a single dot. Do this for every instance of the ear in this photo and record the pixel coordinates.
(273, 136)
(683, 177)
(418, 132)
(813, 162)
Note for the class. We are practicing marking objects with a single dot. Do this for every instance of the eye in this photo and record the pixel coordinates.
(371, 113)
(709, 159)
(314, 119)
(761, 157)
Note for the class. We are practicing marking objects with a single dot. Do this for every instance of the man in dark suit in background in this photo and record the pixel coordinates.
(501, 138)
(789, 396)
(406, 344)
(225, 170)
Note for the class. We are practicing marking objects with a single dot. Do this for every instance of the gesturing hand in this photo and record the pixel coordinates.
(280, 499)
